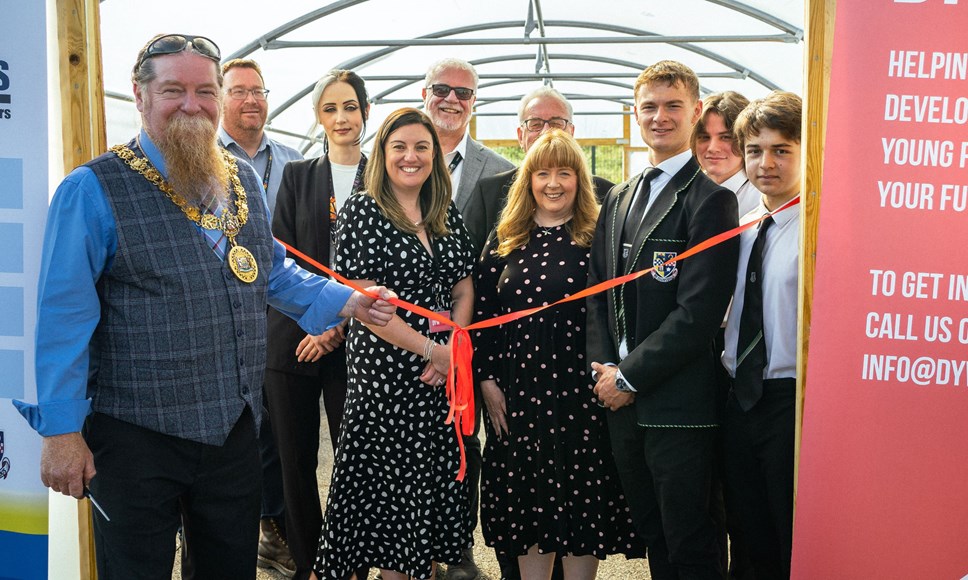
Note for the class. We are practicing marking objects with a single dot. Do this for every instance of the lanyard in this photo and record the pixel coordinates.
(454, 162)
(268, 172)
(357, 186)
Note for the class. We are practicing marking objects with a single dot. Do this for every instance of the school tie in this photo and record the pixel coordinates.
(751, 347)
(633, 219)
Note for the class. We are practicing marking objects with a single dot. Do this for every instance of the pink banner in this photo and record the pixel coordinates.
(883, 477)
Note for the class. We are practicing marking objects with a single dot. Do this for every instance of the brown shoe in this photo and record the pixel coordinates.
(273, 549)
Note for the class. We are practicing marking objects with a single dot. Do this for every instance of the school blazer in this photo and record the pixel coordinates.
(676, 310)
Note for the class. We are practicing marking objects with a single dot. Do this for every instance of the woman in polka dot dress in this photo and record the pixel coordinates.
(394, 503)
(548, 483)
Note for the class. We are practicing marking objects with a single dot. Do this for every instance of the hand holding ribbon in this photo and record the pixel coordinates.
(460, 376)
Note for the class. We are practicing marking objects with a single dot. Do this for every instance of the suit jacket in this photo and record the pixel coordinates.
(479, 162)
(489, 198)
(301, 220)
(674, 313)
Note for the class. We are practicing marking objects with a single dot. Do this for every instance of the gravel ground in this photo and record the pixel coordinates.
(614, 568)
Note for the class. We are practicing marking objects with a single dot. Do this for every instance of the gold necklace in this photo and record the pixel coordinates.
(241, 261)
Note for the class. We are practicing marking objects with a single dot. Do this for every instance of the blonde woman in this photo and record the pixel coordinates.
(548, 482)
(394, 502)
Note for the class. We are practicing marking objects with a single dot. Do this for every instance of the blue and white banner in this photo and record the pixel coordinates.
(24, 192)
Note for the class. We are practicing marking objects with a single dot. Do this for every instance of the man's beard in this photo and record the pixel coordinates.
(194, 162)
(445, 122)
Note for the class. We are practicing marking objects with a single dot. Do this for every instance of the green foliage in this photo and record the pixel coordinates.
(604, 161)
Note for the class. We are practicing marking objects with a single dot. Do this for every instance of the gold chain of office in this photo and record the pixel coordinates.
(241, 260)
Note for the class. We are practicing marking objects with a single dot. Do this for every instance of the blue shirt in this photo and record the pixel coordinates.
(80, 242)
(281, 154)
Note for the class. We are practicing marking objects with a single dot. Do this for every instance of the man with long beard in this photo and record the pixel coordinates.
(158, 264)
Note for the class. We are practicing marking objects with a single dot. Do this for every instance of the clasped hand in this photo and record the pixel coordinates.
(312, 348)
(610, 397)
(435, 373)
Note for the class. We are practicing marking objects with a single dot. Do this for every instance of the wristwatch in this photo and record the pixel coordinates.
(623, 386)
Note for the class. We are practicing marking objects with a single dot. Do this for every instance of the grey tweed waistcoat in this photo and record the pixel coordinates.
(180, 346)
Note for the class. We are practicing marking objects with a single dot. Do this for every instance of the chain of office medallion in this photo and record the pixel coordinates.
(207, 221)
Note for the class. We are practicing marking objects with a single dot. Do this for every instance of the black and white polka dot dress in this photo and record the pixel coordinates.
(551, 482)
(394, 502)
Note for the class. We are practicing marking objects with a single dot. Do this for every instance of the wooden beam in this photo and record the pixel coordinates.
(82, 87)
(84, 136)
(819, 29)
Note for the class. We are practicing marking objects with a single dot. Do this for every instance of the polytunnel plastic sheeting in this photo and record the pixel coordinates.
(590, 51)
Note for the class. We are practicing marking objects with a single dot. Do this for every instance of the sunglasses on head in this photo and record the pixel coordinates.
(442, 90)
(175, 43)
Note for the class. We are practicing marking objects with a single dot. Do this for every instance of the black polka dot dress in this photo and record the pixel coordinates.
(552, 481)
(394, 502)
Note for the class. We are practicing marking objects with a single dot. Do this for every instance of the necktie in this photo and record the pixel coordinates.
(637, 211)
(751, 347)
(455, 162)
(216, 238)
(633, 219)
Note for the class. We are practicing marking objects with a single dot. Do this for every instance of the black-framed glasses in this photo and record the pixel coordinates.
(239, 94)
(441, 90)
(175, 43)
(536, 124)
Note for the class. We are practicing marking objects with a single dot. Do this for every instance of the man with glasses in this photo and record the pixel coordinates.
(449, 93)
(158, 264)
(540, 110)
(244, 111)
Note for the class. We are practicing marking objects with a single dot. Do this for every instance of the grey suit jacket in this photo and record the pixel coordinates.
(480, 162)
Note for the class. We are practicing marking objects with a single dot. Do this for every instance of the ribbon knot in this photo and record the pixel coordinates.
(460, 375)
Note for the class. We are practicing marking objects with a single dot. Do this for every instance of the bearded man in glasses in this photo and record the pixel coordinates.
(157, 268)
(449, 94)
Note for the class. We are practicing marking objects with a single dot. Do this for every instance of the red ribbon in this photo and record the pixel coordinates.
(460, 376)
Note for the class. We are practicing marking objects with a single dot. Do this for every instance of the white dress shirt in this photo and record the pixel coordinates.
(455, 175)
(781, 271)
(747, 196)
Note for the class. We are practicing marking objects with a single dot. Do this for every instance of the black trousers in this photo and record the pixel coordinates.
(273, 502)
(294, 411)
(759, 475)
(150, 483)
(666, 474)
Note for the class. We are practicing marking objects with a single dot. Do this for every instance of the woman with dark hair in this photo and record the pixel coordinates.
(394, 502)
(302, 369)
(548, 484)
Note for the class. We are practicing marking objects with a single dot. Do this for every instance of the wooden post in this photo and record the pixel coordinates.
(626, 141)
(82, 92)
(85, 136)
(819, 30)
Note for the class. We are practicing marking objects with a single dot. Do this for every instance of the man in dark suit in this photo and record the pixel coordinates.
(651, 340)
(541, 110)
